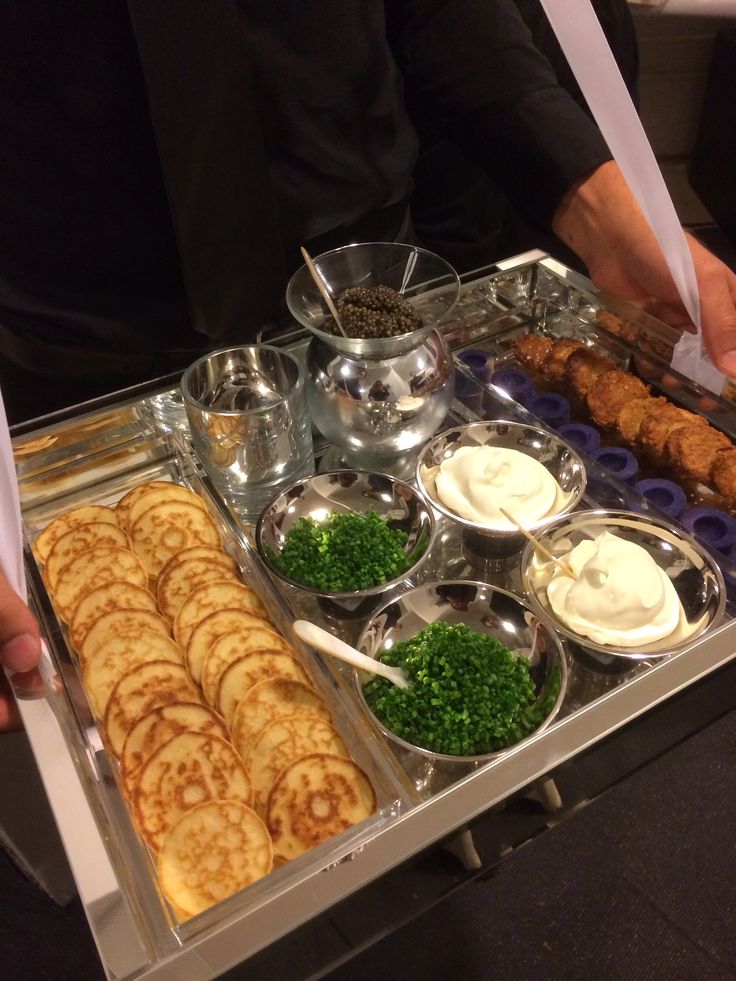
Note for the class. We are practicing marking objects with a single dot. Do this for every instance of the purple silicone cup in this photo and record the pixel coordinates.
(516, 383)
(552, 409)
(585, 438)
(619, 461)
(715, 528)
(663, 494)
(479, 361)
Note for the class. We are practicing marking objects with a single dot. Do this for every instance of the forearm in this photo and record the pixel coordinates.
(599, 214)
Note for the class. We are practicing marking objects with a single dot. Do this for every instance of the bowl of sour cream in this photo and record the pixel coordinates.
(482, 474)
(629, 586)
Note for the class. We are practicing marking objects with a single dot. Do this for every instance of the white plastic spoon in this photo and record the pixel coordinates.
(326, 642)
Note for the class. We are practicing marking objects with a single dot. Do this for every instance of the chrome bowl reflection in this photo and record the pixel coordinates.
(380, 396)
(560, 458)
(692, 570)
(480, 607)
(350, 491)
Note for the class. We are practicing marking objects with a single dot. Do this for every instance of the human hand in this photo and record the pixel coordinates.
(601, 221)
(20, 649)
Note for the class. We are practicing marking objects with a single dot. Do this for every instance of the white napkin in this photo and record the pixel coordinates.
(591, 60)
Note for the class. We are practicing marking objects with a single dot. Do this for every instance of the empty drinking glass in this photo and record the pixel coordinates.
(249, 422)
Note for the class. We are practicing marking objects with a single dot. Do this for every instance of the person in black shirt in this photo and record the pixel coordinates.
(154, 192)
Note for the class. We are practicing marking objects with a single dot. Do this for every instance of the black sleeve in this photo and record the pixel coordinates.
(474, 75)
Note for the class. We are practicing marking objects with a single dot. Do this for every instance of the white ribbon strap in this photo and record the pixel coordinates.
(591, 60)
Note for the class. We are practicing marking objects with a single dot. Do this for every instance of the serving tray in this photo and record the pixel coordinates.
(96, 453)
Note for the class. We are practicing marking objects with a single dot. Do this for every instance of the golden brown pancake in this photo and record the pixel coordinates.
(119, 655)
(239, 676)
(155, 495)
(92, 568)
(127, 501)
(115, 595)
(214, 850)
(272, 699)
(115, 623)
(231, 646)
(189, 769)
(211, 597)
(315, 798)
(284, 741)
(174, 585)
(78, 540)
(194, 552)
(212, 627)
(142, 689)
(161, 724)
(65, 522)
(164, 529)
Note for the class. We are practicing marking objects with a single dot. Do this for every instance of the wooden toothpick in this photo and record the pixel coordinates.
(322, 287)
(564, 566)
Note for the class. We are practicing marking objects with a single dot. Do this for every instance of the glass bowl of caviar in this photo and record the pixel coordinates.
(486, 673)
(388, 296)
(345, 537)
(383, 389)
(492, 476)
(624, 587)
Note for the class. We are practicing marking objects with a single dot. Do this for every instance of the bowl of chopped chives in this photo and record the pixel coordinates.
(346, 537)
(486, 673)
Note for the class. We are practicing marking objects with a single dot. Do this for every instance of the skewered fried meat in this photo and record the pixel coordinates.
(723, 474)
(583, 367)
(657, 425)
(553, 365)
(531, 349)
(692, 450)
(610, 391)
(667, 433)
(631, 413)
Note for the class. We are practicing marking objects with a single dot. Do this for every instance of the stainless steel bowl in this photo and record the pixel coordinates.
(562, 460)
(691, 568)
(349, 491)
(481, 607)
(379, 396)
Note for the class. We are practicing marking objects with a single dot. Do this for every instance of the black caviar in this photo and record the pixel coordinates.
(469, 694)
(374, 311)
(345, 552)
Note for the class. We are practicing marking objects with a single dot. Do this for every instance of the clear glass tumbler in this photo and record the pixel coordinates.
(249, 422)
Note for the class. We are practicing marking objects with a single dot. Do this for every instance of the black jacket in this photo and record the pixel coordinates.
(164, 162)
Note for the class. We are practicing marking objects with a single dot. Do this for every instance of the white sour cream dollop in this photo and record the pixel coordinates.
(476, 482)
(620, 598)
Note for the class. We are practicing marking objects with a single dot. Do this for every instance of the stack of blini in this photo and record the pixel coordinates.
(227, 754)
